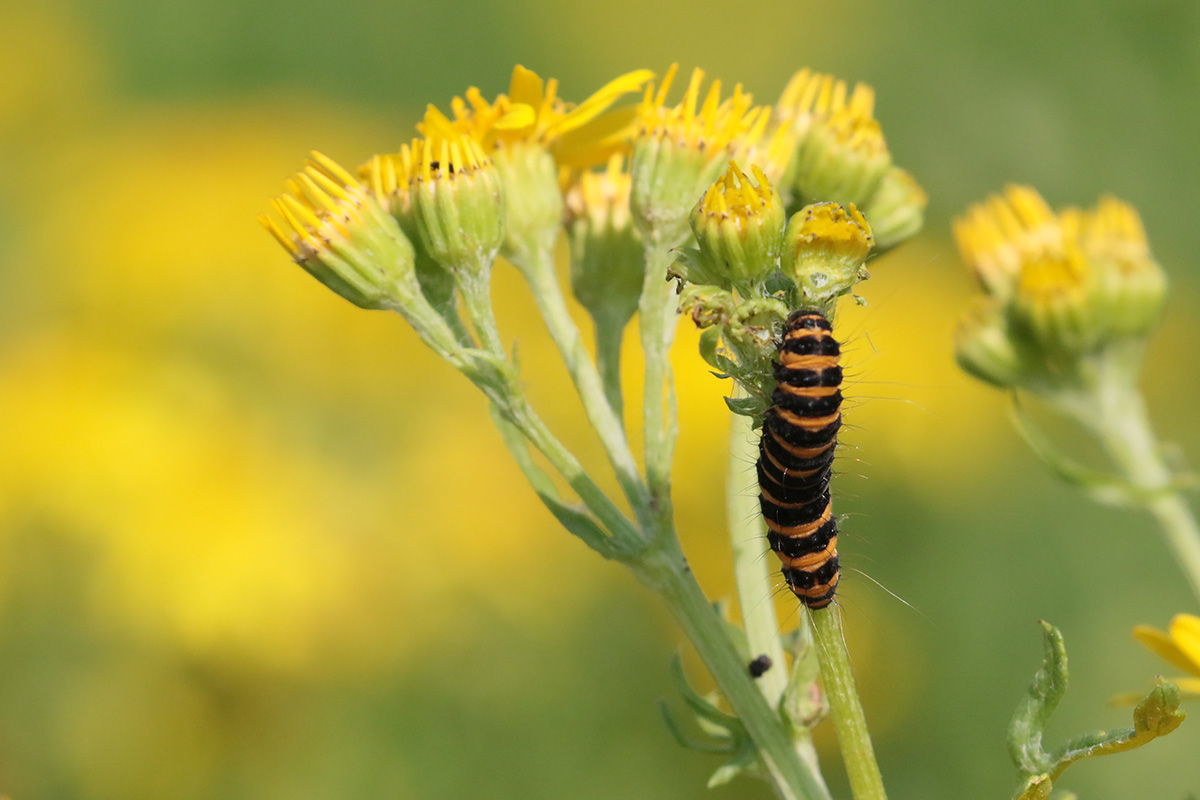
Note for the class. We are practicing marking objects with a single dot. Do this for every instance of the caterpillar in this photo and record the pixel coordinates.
(795, 455)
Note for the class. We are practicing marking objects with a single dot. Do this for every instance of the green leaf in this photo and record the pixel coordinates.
(684, 740)
(1157, 715)
(746, 406)
(574, 519)
(701, 707)
(1033, 712)
(1037, 787)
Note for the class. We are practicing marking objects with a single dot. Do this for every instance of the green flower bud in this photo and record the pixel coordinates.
(336, 230)
(897, 211)
(739, 228)
(607, 261)
(387, 176)
(533, 200)
(1054, 304)
(841, 155)
(458, 203)
(1131, 286)
(825, 247)
(680, 150)
(984, 348)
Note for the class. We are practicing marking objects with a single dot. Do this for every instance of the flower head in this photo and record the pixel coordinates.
(1179, 647)
(1069, 283)
(825, 249)
(842, 155)
(738, 225)
(454, 195)
(335, 228)
(681, 148)
(607, 265)
(532, 112)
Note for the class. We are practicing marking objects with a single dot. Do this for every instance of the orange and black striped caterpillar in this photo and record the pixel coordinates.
(796, 453)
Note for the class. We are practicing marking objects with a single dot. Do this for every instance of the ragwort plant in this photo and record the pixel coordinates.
(661, 218)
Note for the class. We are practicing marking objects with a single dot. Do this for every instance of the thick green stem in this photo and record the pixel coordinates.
(538, 268)
(1116, 415)
(752, 561)
(848, 721)
(656, 320)
(665, 570)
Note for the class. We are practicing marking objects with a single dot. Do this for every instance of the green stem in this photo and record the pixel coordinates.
(538, 268)
(609, 337)
(1116, 415)
(475, 289)
(848, 721)
(666, 571)
(752, 560)
(656, 315)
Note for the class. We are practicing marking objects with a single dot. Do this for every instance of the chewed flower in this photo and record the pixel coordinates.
(333, 226)
(1179, 647)
(532, 112)
(825, 249)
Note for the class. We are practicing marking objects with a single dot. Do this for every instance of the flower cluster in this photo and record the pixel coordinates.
(506, 176)
(1060, 289)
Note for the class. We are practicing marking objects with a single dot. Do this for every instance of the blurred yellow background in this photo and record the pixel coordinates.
(256, 543)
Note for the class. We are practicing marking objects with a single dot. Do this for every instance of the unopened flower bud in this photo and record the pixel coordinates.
(458, 203)
(897, 210)
(984, 348)
(842, 155)
(739, 228)
(679, 150)
(607, 261)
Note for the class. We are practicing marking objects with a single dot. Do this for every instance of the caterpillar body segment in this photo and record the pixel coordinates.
(796, 454)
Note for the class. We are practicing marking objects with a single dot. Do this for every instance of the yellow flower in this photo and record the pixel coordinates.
(1074, 280)
(1179, 647)
(842, 155)
(999, 236)
(680, 150)
(578, 135)
(738, 225)
(336, 229)
(709, 128)
(825, 250)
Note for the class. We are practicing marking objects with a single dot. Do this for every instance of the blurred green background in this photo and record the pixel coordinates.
(255, 543)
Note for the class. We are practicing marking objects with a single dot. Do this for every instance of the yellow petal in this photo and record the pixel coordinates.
(521, 115)
(1189, 686)
(526, 87)
(1162, 646)
(1185, 633)
(600, 101)
(597, 141)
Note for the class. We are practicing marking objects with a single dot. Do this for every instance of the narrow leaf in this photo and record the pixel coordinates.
(1041, 698)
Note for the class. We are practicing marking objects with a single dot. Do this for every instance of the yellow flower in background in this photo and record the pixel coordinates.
(1179, 646)
(579, 135)
(1060, 286)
